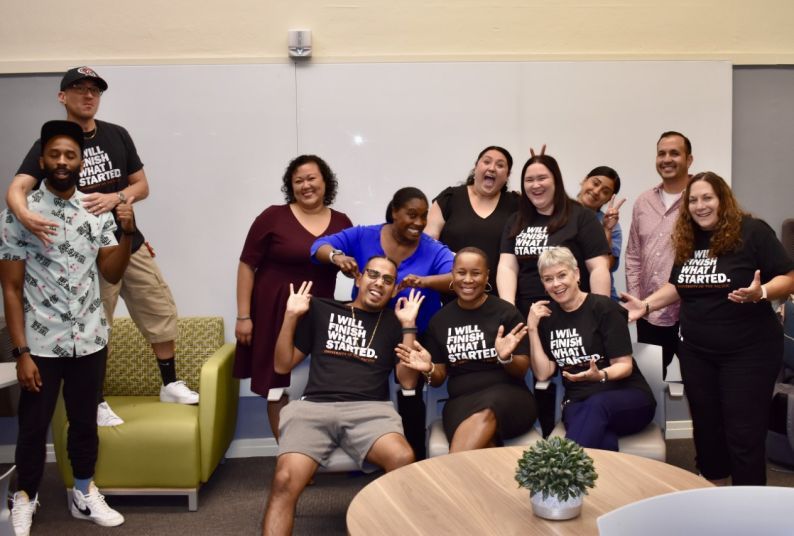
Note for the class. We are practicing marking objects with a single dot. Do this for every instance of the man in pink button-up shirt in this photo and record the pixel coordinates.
(649, 252)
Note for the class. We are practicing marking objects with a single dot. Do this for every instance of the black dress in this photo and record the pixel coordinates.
(463, 340)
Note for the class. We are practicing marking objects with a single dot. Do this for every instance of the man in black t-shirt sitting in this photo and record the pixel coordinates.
(346, 401)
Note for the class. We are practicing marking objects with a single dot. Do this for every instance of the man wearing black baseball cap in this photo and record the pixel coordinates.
(59, 333)
(112, 173)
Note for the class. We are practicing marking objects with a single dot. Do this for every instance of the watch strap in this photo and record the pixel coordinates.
(18, 351)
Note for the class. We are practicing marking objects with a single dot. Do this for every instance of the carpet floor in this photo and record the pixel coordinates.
(233, 502)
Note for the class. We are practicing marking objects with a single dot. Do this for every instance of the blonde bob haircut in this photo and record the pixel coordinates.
(557, 255)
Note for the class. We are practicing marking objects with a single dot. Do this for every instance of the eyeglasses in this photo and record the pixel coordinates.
(375, 275)
(82, 90)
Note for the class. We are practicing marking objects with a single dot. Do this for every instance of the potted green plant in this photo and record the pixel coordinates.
(557, 472)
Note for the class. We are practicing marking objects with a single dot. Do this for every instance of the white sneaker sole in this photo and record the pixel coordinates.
(114, 522)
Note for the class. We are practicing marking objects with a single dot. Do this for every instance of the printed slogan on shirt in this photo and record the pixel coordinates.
(348, 337)
(567, 348)
(532, 241)
(701, 272)
(467, 343)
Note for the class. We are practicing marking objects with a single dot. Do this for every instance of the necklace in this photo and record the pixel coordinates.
(91, 134)
(353, 312)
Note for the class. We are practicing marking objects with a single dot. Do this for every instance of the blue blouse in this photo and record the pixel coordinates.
(430, 258)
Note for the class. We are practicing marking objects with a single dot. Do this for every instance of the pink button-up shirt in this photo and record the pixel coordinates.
(649, 252)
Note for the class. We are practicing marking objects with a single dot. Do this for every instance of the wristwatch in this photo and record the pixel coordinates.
(17, 352)
(334, 252)
(122, 197)
(605, 378)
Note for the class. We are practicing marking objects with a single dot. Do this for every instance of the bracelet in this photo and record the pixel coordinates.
(647, 308)
(129, 233)
(763, 293)
(429, 374)
(243, 318)
(504, 361)
(410, 330)
(606, 376)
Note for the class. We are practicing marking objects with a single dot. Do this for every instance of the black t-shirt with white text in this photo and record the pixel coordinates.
(583, 235)
(463, 340)
(709, 320)
(109, 157)
(597, 329)
(352, 354)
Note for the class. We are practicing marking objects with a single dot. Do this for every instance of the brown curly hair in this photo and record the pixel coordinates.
(727, 235)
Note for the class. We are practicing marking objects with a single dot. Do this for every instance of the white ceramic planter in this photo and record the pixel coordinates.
(552, 508)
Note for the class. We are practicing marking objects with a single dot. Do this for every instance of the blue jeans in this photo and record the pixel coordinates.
(600, 419)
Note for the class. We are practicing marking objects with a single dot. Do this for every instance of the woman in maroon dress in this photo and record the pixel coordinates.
(275, 254)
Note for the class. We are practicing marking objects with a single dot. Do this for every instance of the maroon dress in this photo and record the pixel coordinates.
(277, 248)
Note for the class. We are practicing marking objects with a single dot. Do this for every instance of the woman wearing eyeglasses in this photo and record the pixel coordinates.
(479, 342)
(422, 262)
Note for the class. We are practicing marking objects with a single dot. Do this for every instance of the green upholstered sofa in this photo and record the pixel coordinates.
(161, 449)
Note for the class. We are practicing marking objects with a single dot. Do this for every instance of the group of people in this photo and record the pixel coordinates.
(476, 288)
(526, 279)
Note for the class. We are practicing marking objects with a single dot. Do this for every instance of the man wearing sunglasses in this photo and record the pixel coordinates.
(346, 400)
(112, 173)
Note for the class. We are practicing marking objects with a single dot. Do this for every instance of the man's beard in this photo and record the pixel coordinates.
(62, 185)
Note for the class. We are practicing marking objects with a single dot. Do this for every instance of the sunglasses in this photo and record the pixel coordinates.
(375, 275)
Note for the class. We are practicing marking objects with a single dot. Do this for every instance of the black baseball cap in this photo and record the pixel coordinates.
(82, 73)
(52, 129)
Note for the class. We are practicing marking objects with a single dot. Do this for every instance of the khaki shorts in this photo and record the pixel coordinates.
(316, 429)
(147, 297)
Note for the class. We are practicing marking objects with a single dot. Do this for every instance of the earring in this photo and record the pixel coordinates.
(488, 287)
(450, 286)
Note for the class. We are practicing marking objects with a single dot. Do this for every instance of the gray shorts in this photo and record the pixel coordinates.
(316, 429)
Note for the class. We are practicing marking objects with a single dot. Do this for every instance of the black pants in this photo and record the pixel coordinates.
(664, 336)
(81, 378)
(729, 397)
(412, 410)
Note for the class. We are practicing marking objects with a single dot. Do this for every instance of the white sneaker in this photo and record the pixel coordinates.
(22, 512)
(106, 416)
(93, 507)
(179, 393)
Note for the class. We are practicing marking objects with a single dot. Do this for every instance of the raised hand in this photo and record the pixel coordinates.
(506, 344)
(415, 357)
(590, 375)
(537, 310)
(407, 309)
(298, 302)
(126, 215)
(635, 306)
(542, 151)
(611, 215)
(753, 293)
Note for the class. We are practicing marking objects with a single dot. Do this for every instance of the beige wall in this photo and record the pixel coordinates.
(45, 35)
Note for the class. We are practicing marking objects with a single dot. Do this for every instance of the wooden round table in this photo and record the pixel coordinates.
(475, 492)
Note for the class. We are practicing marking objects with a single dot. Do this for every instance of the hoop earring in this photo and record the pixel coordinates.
(488, 287)
(450, 286)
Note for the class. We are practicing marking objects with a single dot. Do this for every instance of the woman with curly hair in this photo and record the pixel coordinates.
(275, 254)
(731, 344)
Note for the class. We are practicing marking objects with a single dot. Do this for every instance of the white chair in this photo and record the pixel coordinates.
(6, 528)
(437, 444)
(739, 510)
(648, 443)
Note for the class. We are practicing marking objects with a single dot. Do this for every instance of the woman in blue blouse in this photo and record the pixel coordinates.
(422, 262)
